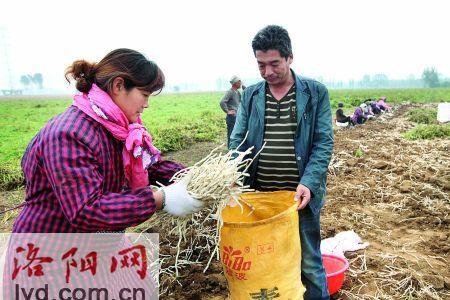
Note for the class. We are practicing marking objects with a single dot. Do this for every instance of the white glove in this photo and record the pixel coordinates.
(178, 201)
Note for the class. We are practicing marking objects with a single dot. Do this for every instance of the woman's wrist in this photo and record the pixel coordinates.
(160, 199)
(163, 200)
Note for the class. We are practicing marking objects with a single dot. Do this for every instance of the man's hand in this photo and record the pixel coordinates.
(304, 195)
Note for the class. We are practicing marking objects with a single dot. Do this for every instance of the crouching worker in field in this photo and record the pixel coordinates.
(341, 119)
(367, 111)
(358, 116)
(89, 168)
(383, 105)
(292, 114)
(373, 106)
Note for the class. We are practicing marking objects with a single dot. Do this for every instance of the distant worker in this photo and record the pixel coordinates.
(367, 111)
(230, 103)
(358, 116)
(373, 106)
(341, 119)
(382, 104)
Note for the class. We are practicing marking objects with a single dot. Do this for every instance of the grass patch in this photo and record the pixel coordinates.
(358, 153)
(179, 136)
(11, 177)
(8, 200)
(423, 115)
(428, 131)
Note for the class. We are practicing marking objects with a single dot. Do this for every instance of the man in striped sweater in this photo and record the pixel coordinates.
(292, 116)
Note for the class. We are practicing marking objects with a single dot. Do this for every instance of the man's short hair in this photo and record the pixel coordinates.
(273, 37)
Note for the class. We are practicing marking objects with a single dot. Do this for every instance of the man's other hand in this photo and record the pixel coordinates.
(304, 195)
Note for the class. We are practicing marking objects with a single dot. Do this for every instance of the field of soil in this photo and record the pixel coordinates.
(392, 192)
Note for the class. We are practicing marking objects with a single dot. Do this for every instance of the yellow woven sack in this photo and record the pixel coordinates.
(260, 248)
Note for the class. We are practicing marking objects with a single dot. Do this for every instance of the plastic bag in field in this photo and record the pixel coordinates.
(443, 113)
(341, 243)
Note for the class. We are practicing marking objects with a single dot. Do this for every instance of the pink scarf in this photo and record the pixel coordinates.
(138, 152)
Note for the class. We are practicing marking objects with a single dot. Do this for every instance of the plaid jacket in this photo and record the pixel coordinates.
(75, 180)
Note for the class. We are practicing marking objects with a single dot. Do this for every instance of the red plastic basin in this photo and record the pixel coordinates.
(335, 268)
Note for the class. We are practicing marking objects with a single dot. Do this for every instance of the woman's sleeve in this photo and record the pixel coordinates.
(163, 171)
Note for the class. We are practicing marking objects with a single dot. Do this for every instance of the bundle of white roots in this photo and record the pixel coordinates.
(217, 181)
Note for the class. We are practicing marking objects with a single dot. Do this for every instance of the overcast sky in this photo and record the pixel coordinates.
(199, 41)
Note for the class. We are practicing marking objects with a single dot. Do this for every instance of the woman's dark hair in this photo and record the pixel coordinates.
(273, 37)
(133, 67)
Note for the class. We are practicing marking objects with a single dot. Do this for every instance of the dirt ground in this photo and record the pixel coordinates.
(393, 192)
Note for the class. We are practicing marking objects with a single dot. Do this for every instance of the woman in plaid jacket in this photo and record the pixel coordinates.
(89, 168)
